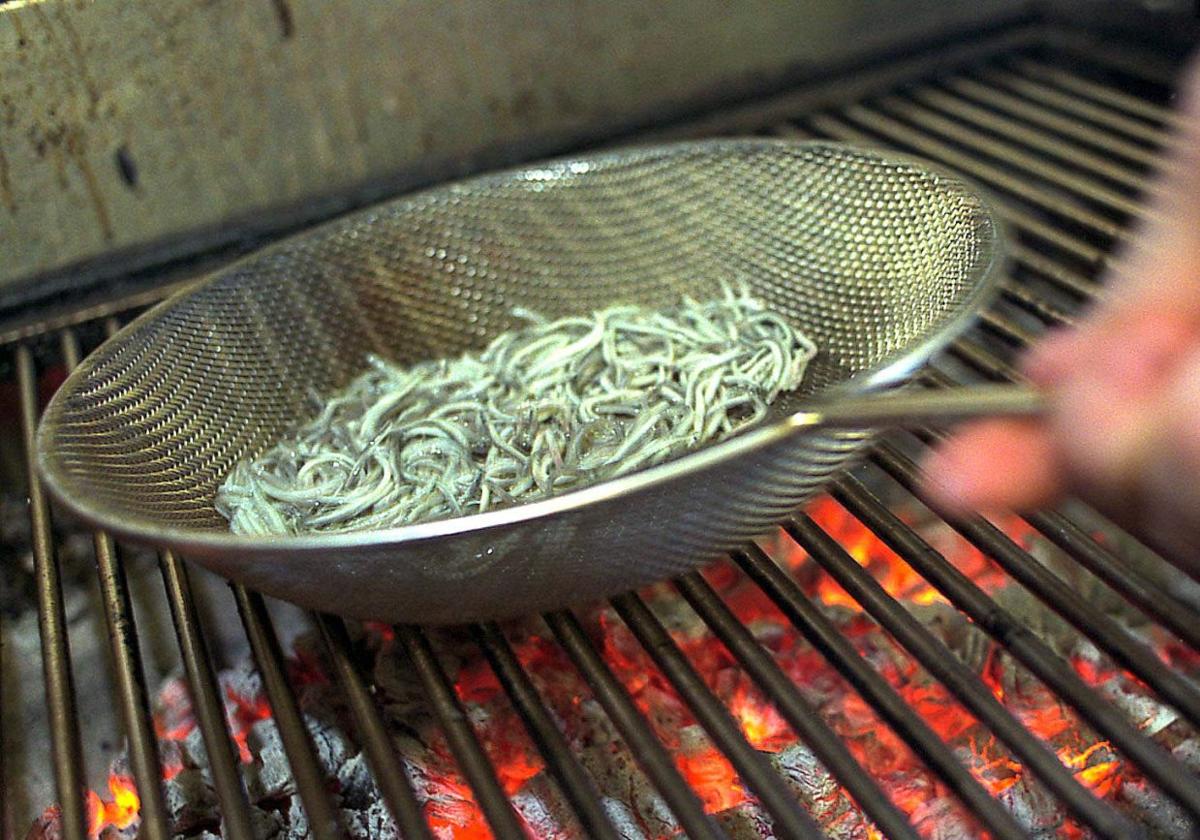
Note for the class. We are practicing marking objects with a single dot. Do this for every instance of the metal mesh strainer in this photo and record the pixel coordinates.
(879, 259)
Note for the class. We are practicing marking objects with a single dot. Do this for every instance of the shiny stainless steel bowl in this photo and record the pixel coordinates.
(880, 259)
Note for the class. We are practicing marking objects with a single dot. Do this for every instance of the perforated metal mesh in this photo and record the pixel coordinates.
(876, 258)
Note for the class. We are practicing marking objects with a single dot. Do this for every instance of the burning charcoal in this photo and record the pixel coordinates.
(356, 784)
(618, 776)
(297, 820)
(1037, 617)
(942, 819)
(544, 810)
(241, 682)
(113, 833)
(121, 767)
(274, 777)
(398, 692)
(1035, 809)
(371, 823)
(412, 753)
(622, 818)
(333, 750)
(820, 794)
(675, 614)
(966, 641)
(173, 714)
(190, 801)
(170, 755)
(269, 825)
(1163, 817)
(192, 751)
(444, 796)
(270, 777)
(1189, 753)
(46, 827)
(1015, 679)
(428, 778)
(693, 740)
(1149, 715)
(610, 763)
(746, 822)
(306, 672)
(769, 632)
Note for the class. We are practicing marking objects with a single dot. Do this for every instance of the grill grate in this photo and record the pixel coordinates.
(1067, 153)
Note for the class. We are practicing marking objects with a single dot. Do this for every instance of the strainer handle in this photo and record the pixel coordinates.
(928, 407)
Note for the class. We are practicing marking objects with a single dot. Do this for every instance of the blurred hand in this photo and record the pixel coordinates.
(1123, 432)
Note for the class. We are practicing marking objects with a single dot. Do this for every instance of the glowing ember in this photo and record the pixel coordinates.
(452, 812)
(714, 779)
(893, 574)
(384, 631)
(242, 713)
(765, 729)
(1099, 777)
(121, 811)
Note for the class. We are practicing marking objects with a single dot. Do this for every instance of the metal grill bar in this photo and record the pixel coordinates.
(977, 357)
(1039, 580)
(206, 700)
(964, 683)
(131, 682)
(1014, 292)
(1034, 138)
(1098, 92)
(1071, 210)
(1128, 59)
(993, 367)
(921, 115)
(1097, 114)
(838, 650)
(750, 764)
(1064, 278)
(1028, 649)
(131, 688)
(386, 767)
(839, 129)
(1031, 112)
(1108, 567)
(636, 732)
(52, 623)
(1097, 559)
(471, 758)
(996, 323)
(76, 315)
(988, 363)
(1024, 221)
(574, 782)
(800, 715)
(297, 742)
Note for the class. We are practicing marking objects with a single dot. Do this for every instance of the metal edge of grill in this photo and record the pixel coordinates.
(1065, 155)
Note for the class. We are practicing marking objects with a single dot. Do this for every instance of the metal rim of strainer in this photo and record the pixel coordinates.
(889, 372)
